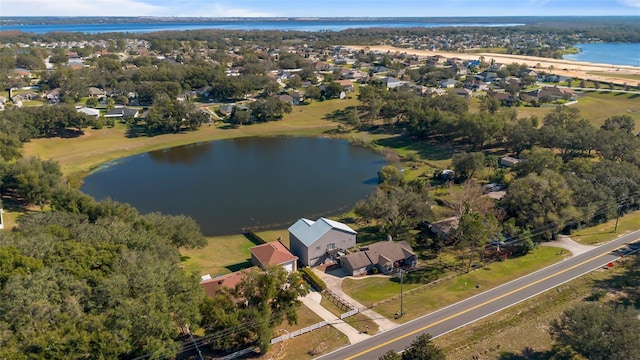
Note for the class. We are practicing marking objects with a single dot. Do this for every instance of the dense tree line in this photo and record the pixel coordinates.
(557, 186)
(39, 121)
(102, 280)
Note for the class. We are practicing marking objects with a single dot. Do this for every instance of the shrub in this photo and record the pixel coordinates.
(596, 295)
(313, 279)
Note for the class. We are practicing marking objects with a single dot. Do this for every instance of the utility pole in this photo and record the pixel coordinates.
(194, 343)
(401, 308)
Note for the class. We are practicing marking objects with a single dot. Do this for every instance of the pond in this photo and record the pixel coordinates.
(228, 185)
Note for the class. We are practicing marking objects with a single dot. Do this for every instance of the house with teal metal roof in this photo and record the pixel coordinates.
(316, 242)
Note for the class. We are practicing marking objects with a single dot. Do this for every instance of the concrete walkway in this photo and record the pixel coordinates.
(334, 279)
(312, 301)
(565, 242)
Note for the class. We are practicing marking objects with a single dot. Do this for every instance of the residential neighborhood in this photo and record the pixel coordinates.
(475, 180)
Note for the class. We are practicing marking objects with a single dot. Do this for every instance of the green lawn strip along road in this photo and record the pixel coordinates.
(489, 302)
(605, 232)
(448, 291)
(524, 327)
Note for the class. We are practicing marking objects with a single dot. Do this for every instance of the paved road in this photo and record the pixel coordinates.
(477, 307)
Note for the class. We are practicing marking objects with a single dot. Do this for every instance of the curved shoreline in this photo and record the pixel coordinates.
(79, 156)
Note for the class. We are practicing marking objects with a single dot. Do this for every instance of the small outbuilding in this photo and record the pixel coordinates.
(508, 161)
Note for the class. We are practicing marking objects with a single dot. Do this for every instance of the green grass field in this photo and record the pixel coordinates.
(520, 332)
(633, 78)
(373, 289)
(222, 255)
(594, 106)
(605, 232)
(448, 291)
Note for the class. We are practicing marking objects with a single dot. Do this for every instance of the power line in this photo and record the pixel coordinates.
(193, 344)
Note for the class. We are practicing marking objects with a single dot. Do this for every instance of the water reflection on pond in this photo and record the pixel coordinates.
(228, 185)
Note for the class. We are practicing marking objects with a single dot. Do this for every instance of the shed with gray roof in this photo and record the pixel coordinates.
(314, 242)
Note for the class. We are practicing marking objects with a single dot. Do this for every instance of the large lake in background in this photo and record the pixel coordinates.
(228, 185)
(283, 25)
(607, 53)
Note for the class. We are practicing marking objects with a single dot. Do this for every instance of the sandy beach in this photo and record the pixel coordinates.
(576, 69)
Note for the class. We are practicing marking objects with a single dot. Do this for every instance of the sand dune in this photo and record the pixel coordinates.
(577, 69)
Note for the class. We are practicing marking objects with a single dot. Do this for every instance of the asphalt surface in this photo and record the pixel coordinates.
(491, 301)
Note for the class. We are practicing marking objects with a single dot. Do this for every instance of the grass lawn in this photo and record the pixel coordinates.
(307, 346)
(306, 317)
(449, 291)
(507, 334)
(597, 106)
(632, 77)
(594, 106)
(358, 321)
(369, 290)
(604, 232)
(222, 255)
(275, 235)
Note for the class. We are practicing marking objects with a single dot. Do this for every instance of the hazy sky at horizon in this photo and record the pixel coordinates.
(326, 8)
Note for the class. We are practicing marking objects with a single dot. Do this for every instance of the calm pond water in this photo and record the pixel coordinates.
(228, 185)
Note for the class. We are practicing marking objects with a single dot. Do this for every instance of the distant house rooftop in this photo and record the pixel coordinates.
(124, 112)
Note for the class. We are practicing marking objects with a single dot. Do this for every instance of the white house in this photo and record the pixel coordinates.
(89, 111)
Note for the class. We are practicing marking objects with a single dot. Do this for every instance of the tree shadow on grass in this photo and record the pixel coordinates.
(625, 284)
(426, 150)
(239, 266)
(135, 131)
(67, 133)
(526, 354)
(340, 115)
(423, 275)
(369, 234)
(12, 204)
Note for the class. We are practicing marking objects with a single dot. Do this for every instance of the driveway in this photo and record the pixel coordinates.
(334, 279)
(565, 242)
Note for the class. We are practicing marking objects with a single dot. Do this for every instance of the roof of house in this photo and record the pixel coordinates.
(345, 82)
(379, 253)
(89, 111)
(272, 253)
(96, 91)
(121, 111)
(445, 226)
(230, 281)
(356, 260)
(391, 79)
(392, 250)
(308, 231)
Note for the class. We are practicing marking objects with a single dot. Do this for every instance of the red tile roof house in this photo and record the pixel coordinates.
(273, 254)
(212, 285)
